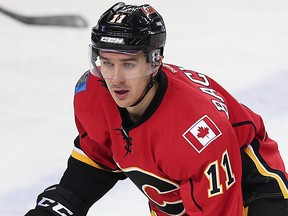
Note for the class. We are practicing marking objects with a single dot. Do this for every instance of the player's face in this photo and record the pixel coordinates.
(125, 91)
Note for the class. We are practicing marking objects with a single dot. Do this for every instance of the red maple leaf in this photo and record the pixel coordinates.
(203, 131)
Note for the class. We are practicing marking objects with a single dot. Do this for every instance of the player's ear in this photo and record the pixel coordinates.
(157, 66)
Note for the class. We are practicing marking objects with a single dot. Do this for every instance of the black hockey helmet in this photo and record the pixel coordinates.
(130, 27)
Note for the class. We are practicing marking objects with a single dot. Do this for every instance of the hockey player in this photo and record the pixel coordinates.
(186, 143)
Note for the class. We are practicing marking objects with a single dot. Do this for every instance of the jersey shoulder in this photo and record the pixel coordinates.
(87, 82)
(82, 82)
(90, 93)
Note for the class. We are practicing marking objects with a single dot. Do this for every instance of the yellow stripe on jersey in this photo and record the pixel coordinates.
(81, 156)
(245, 211)
(249, 150)
(153, 213)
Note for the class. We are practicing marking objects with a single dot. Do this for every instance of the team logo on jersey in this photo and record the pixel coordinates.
(202, 133)
(82, 82)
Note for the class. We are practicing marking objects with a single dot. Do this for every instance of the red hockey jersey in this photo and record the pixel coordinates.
(195, 151)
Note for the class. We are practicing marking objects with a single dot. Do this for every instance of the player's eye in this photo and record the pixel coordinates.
(106, 63)
(128, 65)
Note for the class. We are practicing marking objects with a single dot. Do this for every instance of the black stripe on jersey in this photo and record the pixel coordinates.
(238, 124)
(192, 195)
(88, 183)
(259, 180)
(256, 147)
(77, 142)
(83, 135)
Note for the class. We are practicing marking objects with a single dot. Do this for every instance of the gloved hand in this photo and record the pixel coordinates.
(38, 212)
(58, 201)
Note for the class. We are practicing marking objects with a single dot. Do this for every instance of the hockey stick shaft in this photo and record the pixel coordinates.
(56, 20)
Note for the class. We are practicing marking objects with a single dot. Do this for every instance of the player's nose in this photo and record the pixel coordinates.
(118, 74)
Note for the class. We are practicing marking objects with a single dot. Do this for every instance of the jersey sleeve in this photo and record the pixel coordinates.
(91, 122)
(261, 161)
(94, 151)
(246, 167)
(91, 170)
(86, 178)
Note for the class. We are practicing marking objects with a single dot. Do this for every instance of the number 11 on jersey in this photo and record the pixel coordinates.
(213, 175)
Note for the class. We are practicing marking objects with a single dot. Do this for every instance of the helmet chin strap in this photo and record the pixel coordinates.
(147, 89)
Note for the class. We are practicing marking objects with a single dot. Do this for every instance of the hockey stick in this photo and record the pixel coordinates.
(56, 20)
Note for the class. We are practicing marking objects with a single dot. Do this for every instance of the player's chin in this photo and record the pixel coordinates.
(122, 100)
(123, 103)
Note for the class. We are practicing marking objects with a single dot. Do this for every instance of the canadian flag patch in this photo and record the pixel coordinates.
(202, 133)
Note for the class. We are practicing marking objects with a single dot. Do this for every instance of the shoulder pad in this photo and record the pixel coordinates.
(82, 82)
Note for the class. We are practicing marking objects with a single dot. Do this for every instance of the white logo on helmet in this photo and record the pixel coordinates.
(112, 40)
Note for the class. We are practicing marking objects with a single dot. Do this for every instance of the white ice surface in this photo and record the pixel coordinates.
(242, 44)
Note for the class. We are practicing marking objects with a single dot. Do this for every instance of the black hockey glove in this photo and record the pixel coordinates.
(58, 201)
(38, 212)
